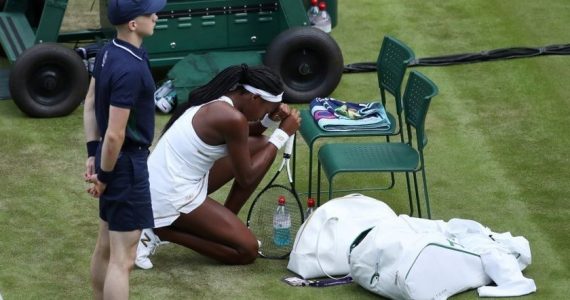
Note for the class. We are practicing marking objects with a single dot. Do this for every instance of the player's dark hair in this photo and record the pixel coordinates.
(228, 80)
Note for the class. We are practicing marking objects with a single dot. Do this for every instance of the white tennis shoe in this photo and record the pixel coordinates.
(148, 243)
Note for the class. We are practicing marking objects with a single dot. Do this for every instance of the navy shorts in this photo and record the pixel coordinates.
(125, 204)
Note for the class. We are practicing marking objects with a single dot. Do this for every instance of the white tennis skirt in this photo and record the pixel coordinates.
(167, 207)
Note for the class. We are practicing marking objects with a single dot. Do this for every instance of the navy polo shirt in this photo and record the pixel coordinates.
(123, 79)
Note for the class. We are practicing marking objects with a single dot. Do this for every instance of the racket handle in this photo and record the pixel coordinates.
(289, 145)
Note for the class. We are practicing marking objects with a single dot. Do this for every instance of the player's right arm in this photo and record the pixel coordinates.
(90, 127)
(112, 144)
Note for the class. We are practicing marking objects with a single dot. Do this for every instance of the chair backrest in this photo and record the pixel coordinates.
(417, 98)
(391, 66)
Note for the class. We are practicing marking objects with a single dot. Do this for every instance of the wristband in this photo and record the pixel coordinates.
(92, 148)
(278, 138)
(105, 176)
(267, 122)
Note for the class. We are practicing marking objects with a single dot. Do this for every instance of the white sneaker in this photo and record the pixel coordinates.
(148, 243)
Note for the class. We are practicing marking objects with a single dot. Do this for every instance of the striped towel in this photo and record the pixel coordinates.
(335, 115)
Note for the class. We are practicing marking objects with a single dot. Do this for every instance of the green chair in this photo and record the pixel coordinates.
(392, 62)
(387, 157)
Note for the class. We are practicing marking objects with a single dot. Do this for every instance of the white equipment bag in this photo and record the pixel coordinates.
(322, 243)
(410, 258)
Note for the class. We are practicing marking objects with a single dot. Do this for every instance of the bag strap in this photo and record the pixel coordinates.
(317, 252)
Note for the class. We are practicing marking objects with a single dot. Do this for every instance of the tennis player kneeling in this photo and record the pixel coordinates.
(213, 138)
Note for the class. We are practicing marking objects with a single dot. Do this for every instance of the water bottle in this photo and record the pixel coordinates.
(310, 207)
(323, 20)
(165, 97)
(163, 90)
(281, 224)
(313, 11)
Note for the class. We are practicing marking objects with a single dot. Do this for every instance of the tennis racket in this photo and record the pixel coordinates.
(276, 243)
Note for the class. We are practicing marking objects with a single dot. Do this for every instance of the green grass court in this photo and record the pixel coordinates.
(497, 154)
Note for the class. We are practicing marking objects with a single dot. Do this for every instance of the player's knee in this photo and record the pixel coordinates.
(124, 264)
(247, 253)
(248, 258)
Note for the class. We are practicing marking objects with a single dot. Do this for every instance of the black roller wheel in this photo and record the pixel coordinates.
(308, 60)
(48, 80)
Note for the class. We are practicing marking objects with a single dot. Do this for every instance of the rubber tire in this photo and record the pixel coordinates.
(305, 47)
(48, 80)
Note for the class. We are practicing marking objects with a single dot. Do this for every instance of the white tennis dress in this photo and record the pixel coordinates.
(178, 169)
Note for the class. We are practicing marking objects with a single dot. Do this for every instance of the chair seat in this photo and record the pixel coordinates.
(310, 131)
(377, 157)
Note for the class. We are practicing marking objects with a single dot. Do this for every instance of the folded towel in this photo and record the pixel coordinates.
(335, 115)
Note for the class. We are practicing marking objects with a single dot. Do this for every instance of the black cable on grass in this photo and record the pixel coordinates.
(466, 58)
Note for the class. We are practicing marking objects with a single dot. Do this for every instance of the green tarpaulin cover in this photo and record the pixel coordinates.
(197, 69)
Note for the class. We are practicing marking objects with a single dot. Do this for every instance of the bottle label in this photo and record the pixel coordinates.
(281, 222)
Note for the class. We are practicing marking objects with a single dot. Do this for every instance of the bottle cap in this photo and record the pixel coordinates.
(281, 200)
(322, 6)
(311, 202)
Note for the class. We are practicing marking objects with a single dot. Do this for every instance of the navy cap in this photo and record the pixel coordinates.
(123, 11)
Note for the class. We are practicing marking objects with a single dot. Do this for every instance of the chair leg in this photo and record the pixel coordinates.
(310, 181)
(417, 194)
(392, 180)
(426, 192)
(409, 188)
(318, 184)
